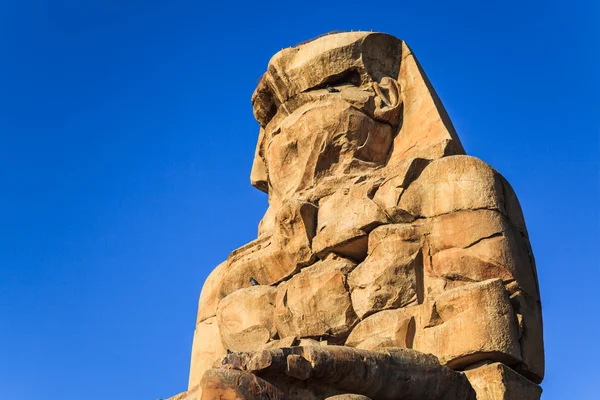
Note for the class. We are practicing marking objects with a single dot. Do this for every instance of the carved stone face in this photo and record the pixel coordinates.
(328, 111)
(325, 138)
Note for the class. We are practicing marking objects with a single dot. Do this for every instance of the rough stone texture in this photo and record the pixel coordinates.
(272, 259)
(300, 150)
(192, 395)
(381, 233)
(210, 296)
(498, 382)
(389, 276)
(316, 302)
(451, 184)
(529, 315)
(317, 372)
(245, 318)
(285, 342)
(475, 245)
(427, 131)
(206, 348)
(347, 236)
(469, 324)
(389, 328)
(233, 384)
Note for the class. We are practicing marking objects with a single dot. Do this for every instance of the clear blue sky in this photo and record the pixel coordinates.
(127, 136)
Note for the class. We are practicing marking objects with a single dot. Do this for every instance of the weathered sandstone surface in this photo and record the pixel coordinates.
(389, 264)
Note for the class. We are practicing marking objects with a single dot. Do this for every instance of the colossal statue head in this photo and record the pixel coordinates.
(341, 106)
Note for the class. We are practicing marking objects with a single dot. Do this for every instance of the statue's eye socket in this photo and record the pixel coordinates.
(348, 77)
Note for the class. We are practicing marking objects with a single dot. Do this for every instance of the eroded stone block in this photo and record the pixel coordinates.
(475, 245)
(345, 220)
(271, 259)
(496, 381)
(389, 328)
(206, 348)
(210, 294)
(451, 184)
(316, 302)
(529, 312)
(469, 324)
(391, 274)
(317, 372)
(245, 318)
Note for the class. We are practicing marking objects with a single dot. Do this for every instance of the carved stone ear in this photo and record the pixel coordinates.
(259, 177)
(388, 103)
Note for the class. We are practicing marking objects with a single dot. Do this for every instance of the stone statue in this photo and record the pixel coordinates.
(389, 264)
